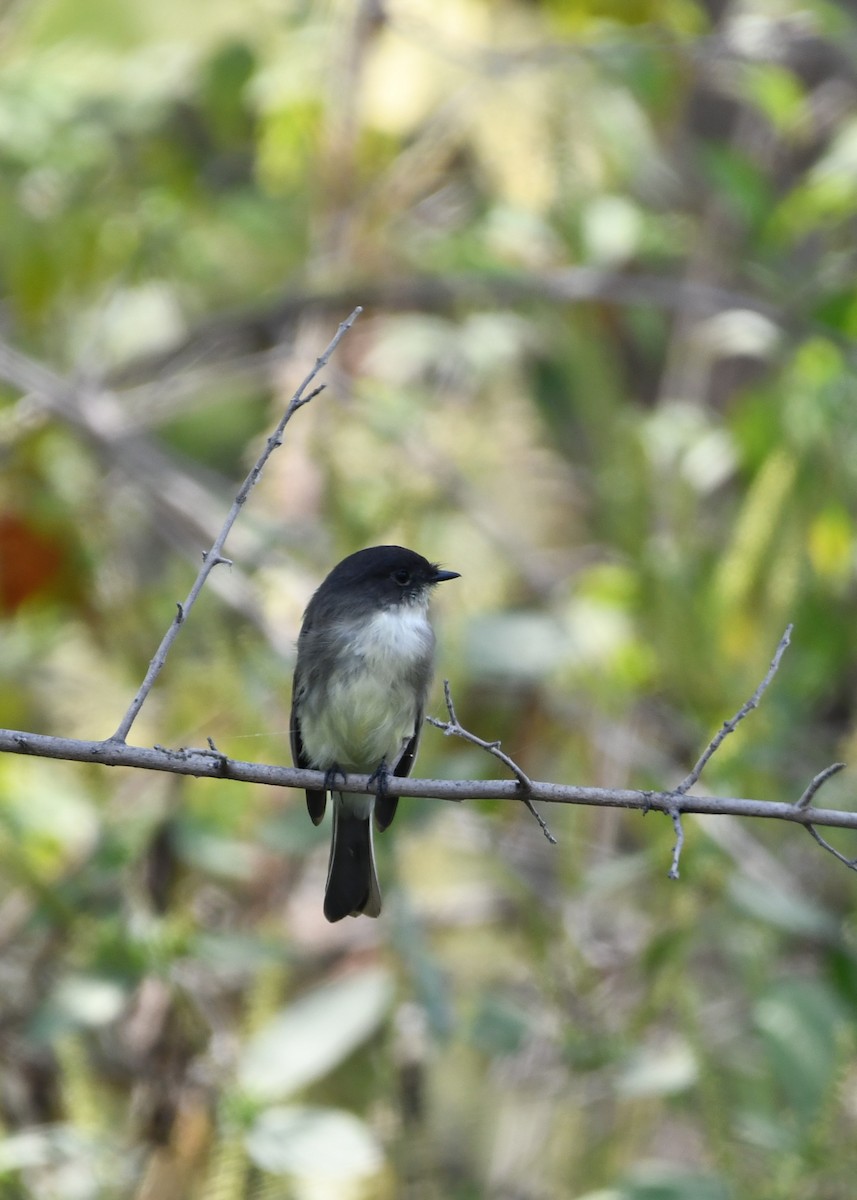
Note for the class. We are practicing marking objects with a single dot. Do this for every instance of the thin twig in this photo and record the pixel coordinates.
(814, 784)
(713, 746)
(675, 816)
(453, 727)
(730, 726)
(851, 863)
(212, 557)
(804, 803)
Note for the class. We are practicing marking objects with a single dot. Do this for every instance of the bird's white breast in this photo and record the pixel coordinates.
(371, 705)
(398, 636)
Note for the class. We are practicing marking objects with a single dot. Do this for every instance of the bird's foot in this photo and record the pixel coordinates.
(331, 775)
(380, 777)
(385, 805)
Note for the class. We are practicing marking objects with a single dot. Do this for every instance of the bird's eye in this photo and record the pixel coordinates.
(401, 577)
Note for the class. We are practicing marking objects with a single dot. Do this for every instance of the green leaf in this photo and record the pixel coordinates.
(777, 92)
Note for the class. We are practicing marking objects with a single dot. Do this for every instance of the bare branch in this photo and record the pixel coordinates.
(814, 784)
(212, 763)
(453, 728)
(730, 726)
(213, 557)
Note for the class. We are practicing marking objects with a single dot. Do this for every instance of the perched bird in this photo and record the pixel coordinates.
(364, 666)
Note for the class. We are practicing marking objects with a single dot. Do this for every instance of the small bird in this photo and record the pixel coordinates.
(363, 671)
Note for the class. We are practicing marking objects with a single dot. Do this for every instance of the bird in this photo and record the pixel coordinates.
(365, 659)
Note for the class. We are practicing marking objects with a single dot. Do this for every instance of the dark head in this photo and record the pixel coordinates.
(391, 573)
(388, 575)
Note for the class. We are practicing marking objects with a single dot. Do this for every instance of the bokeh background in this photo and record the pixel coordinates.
(607, 255)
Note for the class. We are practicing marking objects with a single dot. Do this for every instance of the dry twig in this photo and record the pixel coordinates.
(730, 726)
(675, 810)
(675, 816)
(805, 803)
(454, 728)
(825, 845)
(213, 557)
(814, 784)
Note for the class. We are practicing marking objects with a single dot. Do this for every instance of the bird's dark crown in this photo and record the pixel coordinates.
(391, 571)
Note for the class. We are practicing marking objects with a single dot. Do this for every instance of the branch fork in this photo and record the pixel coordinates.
(454, 728)
(801, 805)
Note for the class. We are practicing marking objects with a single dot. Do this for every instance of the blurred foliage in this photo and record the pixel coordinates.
(606, 370)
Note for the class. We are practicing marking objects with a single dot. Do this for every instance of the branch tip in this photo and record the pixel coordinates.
(731, 725)
(675, 817)
(816, 783)
(850, 863)
(300, 401)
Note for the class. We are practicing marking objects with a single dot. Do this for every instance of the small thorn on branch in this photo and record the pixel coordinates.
(179, 612)
(311, 396)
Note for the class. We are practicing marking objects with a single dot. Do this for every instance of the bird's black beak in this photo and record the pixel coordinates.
(442, 576)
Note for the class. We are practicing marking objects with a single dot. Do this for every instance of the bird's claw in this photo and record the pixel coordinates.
(380, 777)
(331, 775)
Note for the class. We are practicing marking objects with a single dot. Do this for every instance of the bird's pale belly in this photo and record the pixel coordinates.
(362, 721)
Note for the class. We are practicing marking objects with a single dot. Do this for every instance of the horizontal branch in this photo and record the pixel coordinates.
(212, 764)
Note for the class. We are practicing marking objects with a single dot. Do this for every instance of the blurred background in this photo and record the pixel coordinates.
(606, 251)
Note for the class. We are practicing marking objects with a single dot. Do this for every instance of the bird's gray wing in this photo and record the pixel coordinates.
(385, 806)
(316, 799)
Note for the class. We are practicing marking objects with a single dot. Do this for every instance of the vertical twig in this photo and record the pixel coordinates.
(730, 726)
(213, 557)
(675, 817)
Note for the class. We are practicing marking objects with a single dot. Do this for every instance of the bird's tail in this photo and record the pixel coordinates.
(352, 882)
